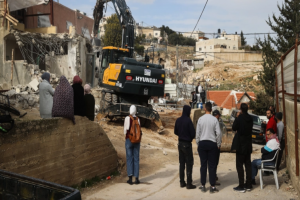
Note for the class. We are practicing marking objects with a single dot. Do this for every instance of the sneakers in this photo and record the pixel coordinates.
(182, 185)
(202, 188)
(239, 189)
(213, 190)
(190, 186)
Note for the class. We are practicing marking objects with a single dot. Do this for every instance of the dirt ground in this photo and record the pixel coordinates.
(159, 170)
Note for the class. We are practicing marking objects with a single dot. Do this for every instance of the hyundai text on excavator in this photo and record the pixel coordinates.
(125, 81)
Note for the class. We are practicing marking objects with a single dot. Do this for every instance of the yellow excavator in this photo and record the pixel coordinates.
(124, 80)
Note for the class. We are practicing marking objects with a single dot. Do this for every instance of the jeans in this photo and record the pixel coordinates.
(242, 160)
(132, 158)
(208, 152)
(185, 158)
(256, 163)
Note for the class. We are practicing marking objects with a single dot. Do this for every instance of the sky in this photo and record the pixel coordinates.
(232, 16)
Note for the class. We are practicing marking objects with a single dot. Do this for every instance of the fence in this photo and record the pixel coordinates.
(287, 94)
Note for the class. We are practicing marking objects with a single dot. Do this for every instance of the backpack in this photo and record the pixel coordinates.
(135, 134)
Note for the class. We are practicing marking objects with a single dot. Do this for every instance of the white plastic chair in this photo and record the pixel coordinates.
(269, 169)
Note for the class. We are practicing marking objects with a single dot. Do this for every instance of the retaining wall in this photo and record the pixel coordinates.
(58, 151)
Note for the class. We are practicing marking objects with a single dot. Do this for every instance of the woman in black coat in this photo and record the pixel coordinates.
(79, 104)
(89, 103)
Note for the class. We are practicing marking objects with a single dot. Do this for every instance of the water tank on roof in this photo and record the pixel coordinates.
(219, 31)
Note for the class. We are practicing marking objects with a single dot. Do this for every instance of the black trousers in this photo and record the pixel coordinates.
(186, 158)
(208, 152)
(203, 100)
(242, 160)
(282, 147)
(218, 159)
(192, 104)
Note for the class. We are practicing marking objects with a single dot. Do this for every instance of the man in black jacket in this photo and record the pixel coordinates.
(243, 144)
(185, 131)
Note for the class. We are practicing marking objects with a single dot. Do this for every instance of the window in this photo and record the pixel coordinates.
(228, 47)
(156, 34)
(200, 49)
(69, 24)
(210, 47)
(149, 34)
(10, 44)
(86, 32)
(43, 20)
(234, 47)
(204, 47)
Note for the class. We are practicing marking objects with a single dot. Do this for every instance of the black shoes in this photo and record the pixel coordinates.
(239, 189)
(190, 186)
(202, 188)
(182, 185)
(130, 182)
(137, 181)
(213, 190)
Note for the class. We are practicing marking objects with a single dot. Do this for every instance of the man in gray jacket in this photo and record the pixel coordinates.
(46, 97)
(209, 141)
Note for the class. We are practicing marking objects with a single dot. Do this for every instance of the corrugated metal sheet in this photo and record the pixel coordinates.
(288, 73)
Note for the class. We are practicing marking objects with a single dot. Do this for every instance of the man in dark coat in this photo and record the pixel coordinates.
(185, 131)
(194, 99)
(79, 106)
(242, 142)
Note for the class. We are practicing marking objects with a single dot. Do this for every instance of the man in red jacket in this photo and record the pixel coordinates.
(271, 124)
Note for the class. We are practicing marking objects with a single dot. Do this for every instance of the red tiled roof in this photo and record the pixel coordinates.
(218, 96)
(225, 100)
(239, 95)
(251, 94)
(230, 102)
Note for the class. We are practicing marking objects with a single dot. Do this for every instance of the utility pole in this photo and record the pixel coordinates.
(177, 70)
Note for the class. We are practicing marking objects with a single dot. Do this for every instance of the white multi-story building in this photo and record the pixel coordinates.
(209, 49)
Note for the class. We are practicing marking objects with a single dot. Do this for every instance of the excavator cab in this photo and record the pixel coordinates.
(111, 55)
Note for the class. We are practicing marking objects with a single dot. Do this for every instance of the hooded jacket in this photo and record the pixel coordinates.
(184, 127)
(242, 141)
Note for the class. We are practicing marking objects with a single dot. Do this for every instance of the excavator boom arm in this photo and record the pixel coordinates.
(126, 20)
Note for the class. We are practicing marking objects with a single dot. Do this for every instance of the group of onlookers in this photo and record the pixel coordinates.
(66, 101)
(197, 96)
(209, 138)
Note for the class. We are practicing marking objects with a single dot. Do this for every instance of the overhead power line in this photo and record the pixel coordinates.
(199, 18)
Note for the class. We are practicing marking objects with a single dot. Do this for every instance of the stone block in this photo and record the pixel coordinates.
(34, 84)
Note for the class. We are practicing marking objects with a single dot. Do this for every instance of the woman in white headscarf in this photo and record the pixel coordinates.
(89, 102)
(132, 150)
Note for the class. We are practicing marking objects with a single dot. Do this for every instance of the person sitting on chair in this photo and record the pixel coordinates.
(268, 153)
(194, 99)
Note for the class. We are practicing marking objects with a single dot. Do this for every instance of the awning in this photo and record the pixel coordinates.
(21, 4)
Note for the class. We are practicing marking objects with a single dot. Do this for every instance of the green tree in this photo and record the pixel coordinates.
(243, 39)
(178, 38)
(261, 104)
(286, 25)
(167, 30)
(137, 44)
(113, 32)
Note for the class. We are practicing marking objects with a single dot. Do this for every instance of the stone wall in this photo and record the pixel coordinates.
(291, 157)
(58, 151)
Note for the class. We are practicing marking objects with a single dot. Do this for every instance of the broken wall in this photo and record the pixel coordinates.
(58, 151)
